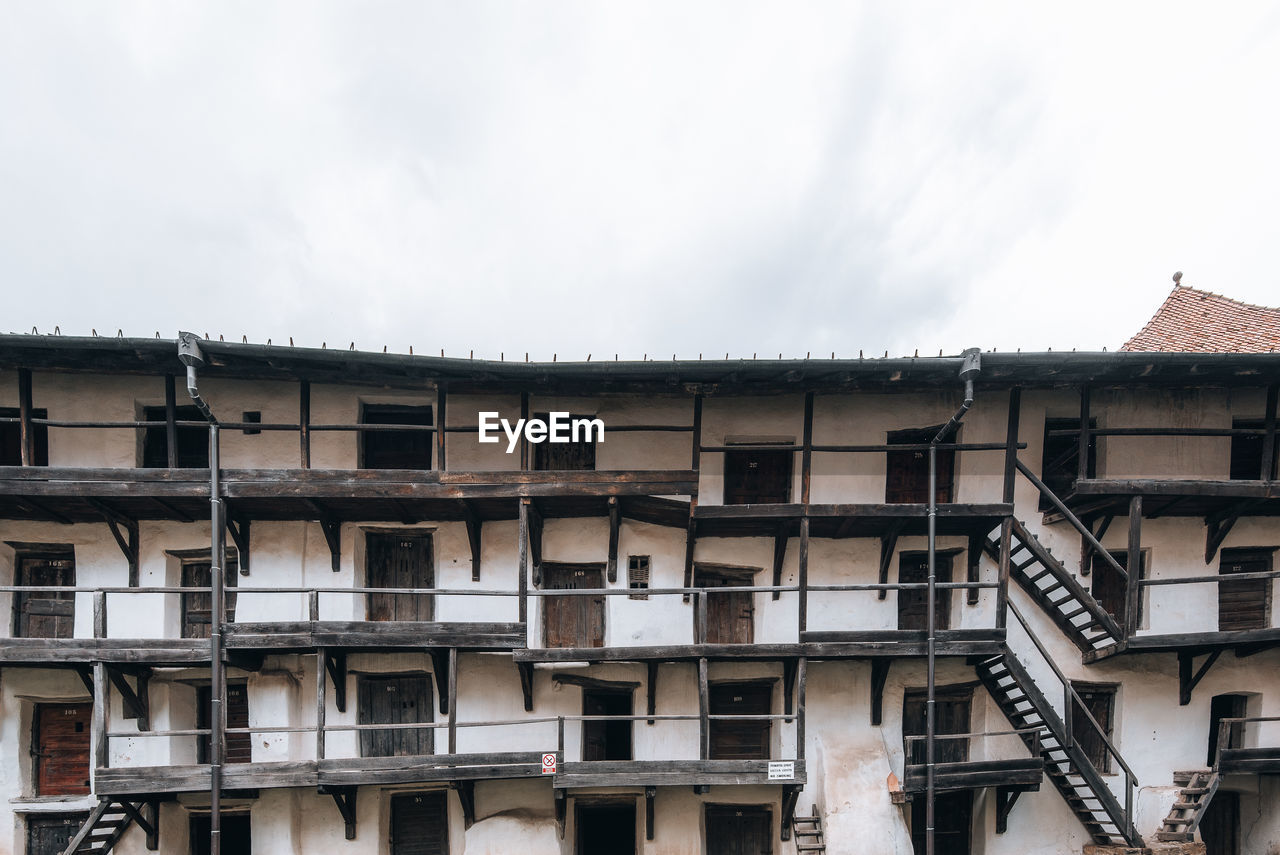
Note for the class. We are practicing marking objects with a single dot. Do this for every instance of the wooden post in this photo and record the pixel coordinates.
(101, 701)
(26, 431)
(313, 606)
(441, 400)
(700, 618)
(171, 420)
(1002, 592)
(321, 698)
(1011, 444)
(1269, 439)
(802, 675)
(695, 460)
(99, 614)
(803, 608)
(1083, 469)
(524, 443)
(1133, 592)
(806, 453)
(704, 705)
(522, 562)
(453, 700)
(304, 423)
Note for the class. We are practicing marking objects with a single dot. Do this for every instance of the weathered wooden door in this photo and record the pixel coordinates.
(1220, 826)
(740, 740)
(236, 829)
(606, 829)
(396, 699)
(730, 615)
(193, 442)
(49, 835)
(739, 830)
(952, 819)
(45, 614)
(238, 746)
(1225, 706)
(577, 456)
(1109, 588)
(395, 449)
(907, 472)
(757, 476)
(606, 740)
(399, 561)
(952, 709)
(420, 824)
(1245, 604)
(1100, 701)
(62, 749)
(573, 621)
(913, 603)
(197, 606)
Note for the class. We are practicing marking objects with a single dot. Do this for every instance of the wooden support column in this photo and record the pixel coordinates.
(974, 560)
(475, 537)
(332, 529)
(695, 458)
(441, 401)
(780, 539)
(467, 801)
(615, 523)
(171, 420)
(1002, 590)
(650, 793)
(453, 700)
(879, 674)
(440, 663)
(321, 683)
(652, 690)
(802, 679)
(1186, 680)
(145, 819)
(152, 811)
(1082, 458)
(136, 703)
(562, 809)
(335, 664)
(888, 543)
(239, 528)
(535, 525)
(524, 443)
(1086, 546)
(522, 561)
(304, 423)
(790, 795)
(691, 532)
(526, 683)
(788, 685)
(1005, 799)
(101, 704)
(26, 430)
(704, 706)
(806, 452)
(1269, 438)
(1133, 591)
(1011, 444)
(345, 799)
(803, 575)
(86, 676)
(99, 614)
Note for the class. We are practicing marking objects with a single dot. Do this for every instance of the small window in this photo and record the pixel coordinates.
(1246, 452)
(577, 456)
(638, 575)
(193, 442)
(11, 438)
(253, 417)
(395, 449)
(757, 476)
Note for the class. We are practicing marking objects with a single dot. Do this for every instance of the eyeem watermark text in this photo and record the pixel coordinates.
(558, 428)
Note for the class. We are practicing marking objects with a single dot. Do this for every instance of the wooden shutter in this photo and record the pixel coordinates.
(45, 614)
(420, 824)
(913, 603)
(397, 699)
(1245, 604)
(573, 621)
(62, 749)
(739, 830)
(740, 740)
(49, 835)
(399, 561)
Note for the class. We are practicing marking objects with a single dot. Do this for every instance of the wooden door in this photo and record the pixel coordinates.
(1109, 588)
(913, 603)
(757, 476)
(1226, 706)
(606, 740)
(399, 561)
(238, 746)
(396, 699)
(606, 829)
(573, 621)
(1246, 453)
(49, 835)
(420, 824)
(740, 740)
(952, 821)
(952, 713)
(1245, 604)
(577, 456)
(739, 830)
(197, 606)
(730, 615)
(907, 472)
(237, 834)
(45, 614)
(62, 749)
(1100, 701)
(395, 449)
(11, 438)
(1060, 457)
(1220, 826)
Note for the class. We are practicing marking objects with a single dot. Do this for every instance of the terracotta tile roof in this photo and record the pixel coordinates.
(1203, 322)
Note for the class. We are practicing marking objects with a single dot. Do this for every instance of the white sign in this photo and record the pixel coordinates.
(549, 764)
(557, 428)
(782, 770)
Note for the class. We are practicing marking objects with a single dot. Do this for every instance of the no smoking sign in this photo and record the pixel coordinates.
(548, 764)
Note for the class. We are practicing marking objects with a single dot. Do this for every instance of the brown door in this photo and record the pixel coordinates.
(49, 835)
(62, 749)
(193, 442)
(740, 740)
(952, 709)
(1225, 706)
(577, 456)
(573, 621)
(730, 615)
(11, 438)
(907, 476)
(1109, 588)
(235, 828)
(913, 603)
(606, 829)
(739, 830)
(1059, 462)
(239, 746)
(1220, 825)
(952, 818)
(757, 477)
(420, 824)
(399, 561)
(1245, 604)
(606, 740)
(1100, 701)
(45, 614)
(395, 449)
(1246, 453)
(197, 606)
(397, 699)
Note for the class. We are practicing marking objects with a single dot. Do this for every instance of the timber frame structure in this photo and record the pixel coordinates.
(119, 667)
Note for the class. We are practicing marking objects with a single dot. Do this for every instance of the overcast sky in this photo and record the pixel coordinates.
(635, 178)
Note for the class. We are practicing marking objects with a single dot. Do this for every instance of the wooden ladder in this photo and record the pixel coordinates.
(1198, 787)
(108, 822)
(809, 833)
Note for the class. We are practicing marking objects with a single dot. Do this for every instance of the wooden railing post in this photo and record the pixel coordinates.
(1083, 467)
(99, 614)
(1133, 590)
(26, 431)
(522, 562)
(313, 606)
(304, 423)
(441, 400)
(453, 700)
(1011, 444)
(1002, 592)
(321, 699)
(101, 704)
(1269, 438)
(704, 729)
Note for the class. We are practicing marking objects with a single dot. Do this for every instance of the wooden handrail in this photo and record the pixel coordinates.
(1071, 518)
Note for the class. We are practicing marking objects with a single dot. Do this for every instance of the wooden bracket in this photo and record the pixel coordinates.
(789, 668)
(565, 679)
(332, 529)
(974, 557)
(1187, 682)
(690, 540)
(650, 793)
(345, 799)
(1006, 797)
(466, 791)
(1219, 525)
(879, 674)
(146, 821)
(136, 704)
(535, 542)
(475, 532)
(888, 542)
(126, 540)
(440, 665)
(151, 810)
(790, 795)
(86, 677)
(615, 524)
(238, 527)
(780, 538)
(1086, 549)
(335, 663)
(526, 683)
(652, 688)
(562, 808)
(701, 789)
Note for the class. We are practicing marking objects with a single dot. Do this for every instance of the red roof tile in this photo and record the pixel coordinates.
(1203, 322)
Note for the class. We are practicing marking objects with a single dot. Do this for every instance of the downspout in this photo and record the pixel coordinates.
(189, 353)
(969, 369)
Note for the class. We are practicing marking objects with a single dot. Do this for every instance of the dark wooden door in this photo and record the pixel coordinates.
(1220, 825)
(397, 699)
(237, 834)
(197, 606)
(45, 614)
(420, 824)
(577, 456)
(1245, 604)
(1226, 706)
(62, 749)
(1109, 587)
(952, 710)
(606, 829)
(193, 442)
(1100, 702)
(952, 819)
(238, 746)
(740, 740)
(606, 740)
(399, 561)
(11, 438)
(395, 449)
(573, 621)
(49, 835)
(907, 474)
(757, 477)
(1060, 460)
(739, 830)
(730, 615)
(913, 603)
(1246, 453)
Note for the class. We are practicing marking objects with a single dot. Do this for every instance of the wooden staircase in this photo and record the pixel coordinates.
(809, 835)
(1071, 771)
(108, 822)
(1198, 787)
(1055, 590)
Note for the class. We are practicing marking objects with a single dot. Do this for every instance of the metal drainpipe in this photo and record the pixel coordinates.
(189, 353)
(969, 369)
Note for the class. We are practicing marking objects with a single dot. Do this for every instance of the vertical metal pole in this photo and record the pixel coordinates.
(931, 644)
(217, 694)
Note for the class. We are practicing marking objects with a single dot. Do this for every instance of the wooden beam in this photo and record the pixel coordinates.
(145, 823)
(594, 682)
(321, 700)
(695, 457)
(466, 791)
(780, 539)
(806, 453)
(526, 683)
(652, 690)
(304, 424)
(1133, 591)
(615, 523)
(440, 666)
(136, 704)
(522, 561)
(704, 732)
(1086, 546)
(788, 684)
(152, 809)
(1005, 560)
(26, 430)
(1006, 797)
(690, 541)
(127, 541)
(974, 560)
(101, 703)
(171, 421)
(535, 542)
(802, 681)
(802, 607)
(790, 795)
(650, 825)
(86, 677)
(345, 799)
(1082, 457)
(1011, 444)
(441, 400)
(1269, 438)
(1187, 682)
(879, 674)
(239, 529)
(888, 543)
(332, 529)
(561, 802)
(475, 536)
(335, 664)
(453, 700)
